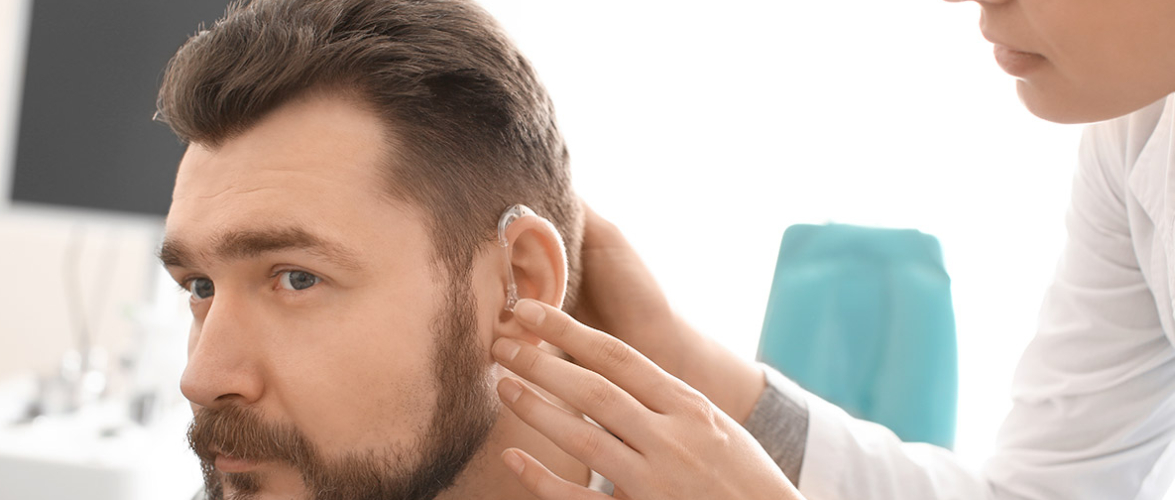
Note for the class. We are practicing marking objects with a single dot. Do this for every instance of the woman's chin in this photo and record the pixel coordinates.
(1058, 104)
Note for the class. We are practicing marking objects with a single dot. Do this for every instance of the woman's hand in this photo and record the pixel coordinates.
(664, 440)
(619, 296)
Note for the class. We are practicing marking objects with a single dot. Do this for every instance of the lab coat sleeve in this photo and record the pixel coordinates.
(1092, 411)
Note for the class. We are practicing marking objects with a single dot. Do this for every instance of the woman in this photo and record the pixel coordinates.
(1094, 395)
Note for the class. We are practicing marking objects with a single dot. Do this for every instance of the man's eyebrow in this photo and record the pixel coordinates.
(172, 253)
(243, 244)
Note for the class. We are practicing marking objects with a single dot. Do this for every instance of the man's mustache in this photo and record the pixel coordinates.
(240, 432)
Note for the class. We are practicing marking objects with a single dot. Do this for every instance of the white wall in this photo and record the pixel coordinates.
(704, 132)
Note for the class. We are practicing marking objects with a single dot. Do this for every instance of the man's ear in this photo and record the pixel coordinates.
(538, 259)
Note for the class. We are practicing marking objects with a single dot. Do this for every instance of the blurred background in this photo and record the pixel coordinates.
(703, 132)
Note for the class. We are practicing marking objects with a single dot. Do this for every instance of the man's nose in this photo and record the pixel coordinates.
(224, 363)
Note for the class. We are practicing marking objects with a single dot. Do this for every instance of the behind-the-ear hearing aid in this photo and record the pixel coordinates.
(510, 215)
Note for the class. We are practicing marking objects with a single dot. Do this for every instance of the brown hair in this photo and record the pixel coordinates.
(474, 130)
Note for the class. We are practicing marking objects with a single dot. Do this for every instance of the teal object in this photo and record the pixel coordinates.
(862, 317)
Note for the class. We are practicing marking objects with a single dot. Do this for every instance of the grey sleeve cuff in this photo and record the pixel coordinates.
(780, 423)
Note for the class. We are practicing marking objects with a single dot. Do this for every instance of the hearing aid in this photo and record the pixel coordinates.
(513, 213)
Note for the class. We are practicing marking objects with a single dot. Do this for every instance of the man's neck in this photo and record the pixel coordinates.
(487, 478)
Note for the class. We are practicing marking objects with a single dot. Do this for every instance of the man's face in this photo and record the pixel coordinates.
(327, 350)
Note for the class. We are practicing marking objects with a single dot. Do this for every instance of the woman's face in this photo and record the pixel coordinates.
(1084, 60)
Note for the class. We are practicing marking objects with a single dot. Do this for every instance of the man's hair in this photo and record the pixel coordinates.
(471, 129)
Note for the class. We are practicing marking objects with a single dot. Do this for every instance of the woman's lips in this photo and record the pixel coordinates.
(231, 465)
(1015, 62)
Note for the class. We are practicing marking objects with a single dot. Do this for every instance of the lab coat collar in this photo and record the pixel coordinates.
(1157, 161)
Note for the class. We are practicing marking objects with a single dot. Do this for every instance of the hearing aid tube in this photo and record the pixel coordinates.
(510, 215)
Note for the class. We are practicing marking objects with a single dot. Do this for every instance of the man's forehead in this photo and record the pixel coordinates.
(313, 143)
(187, 250)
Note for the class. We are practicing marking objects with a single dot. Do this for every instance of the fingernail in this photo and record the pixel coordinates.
(530, 312)
(505, 349)
(510, 389)
(514, 461)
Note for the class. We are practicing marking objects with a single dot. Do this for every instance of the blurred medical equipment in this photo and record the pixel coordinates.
(95, 454)
(862, 317)
(114, 430)
(104, 423)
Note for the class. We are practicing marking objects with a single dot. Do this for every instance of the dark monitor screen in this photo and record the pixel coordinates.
(86, 138)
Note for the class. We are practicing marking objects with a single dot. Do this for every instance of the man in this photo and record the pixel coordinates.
(334, 220)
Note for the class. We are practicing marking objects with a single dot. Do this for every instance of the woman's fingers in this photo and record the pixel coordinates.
(601, 353)
(691, 449)
(589, 444)
(584, 390)
(543, 483)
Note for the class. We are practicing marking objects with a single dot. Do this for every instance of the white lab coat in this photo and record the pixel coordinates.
(1093, 412)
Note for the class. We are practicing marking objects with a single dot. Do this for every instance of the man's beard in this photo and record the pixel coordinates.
(463, 417)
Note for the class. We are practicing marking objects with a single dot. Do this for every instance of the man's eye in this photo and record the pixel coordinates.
(298, 280)
(201, 288)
